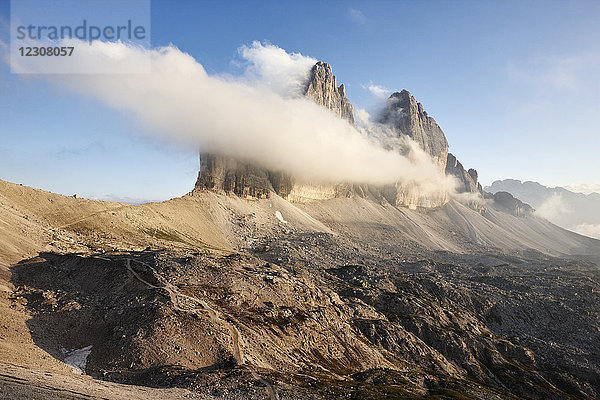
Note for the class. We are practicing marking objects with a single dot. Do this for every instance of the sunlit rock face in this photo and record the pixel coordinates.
(413, 197)
(305, 192)
(322, 88)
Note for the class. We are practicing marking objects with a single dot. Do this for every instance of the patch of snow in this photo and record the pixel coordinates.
(77, 359)
(280, 217)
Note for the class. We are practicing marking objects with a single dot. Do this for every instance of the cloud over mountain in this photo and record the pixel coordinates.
(255, 116)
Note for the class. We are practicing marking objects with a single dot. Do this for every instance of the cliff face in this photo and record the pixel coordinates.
(322, 88)
(411, 196)
(224, 174)
(468, 180)
(228, 175)
(405, 115)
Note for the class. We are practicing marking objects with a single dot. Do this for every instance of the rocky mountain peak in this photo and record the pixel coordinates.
(473, 174)
(512, 205)
(322, 88)
(404, 96)
(224, 174)
(468, 180)
(404, 114)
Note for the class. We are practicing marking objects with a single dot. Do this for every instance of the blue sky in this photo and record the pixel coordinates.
(515, 85)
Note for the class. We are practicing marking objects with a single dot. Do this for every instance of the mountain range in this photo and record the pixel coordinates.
(403, 115)
(574, 211)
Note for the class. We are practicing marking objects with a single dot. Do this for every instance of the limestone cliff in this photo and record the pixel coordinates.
(322, 88)
(225, 174)
(413, 197)
(468, 180)
(406, 116)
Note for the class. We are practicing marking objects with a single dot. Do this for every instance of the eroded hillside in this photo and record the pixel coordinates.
(220, 297)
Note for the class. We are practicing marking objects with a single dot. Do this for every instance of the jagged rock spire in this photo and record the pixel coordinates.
(226, 174)
(468, 180)
(322, 88)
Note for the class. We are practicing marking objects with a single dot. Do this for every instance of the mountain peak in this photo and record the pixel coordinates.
(322, 88)
(468, 179)
(404, 114)
(227, 174)
(403, 94)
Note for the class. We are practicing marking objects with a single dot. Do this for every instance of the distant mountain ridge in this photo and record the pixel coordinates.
(575, 211)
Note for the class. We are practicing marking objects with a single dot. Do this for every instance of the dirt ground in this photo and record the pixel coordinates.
(210, 296)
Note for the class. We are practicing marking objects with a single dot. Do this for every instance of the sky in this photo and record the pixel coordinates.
(515, 85)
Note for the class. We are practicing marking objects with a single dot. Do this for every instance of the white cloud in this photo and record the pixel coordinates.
(284, 73)
(362, 117)
(356, 16)
(553, 208)
(588, 230)
(377, 90)
(258, 118)
(585, 188)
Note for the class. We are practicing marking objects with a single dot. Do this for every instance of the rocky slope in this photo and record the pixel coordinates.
(344, 298)
(257, 285)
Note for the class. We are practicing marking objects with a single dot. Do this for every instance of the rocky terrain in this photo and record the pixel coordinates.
(214, 296)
